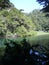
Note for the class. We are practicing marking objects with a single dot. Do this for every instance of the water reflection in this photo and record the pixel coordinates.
(31, 51)
(39, 58)
(36, 53)
(23, 55)
(44, 63)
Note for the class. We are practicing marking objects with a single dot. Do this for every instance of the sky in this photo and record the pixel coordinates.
(26, 5)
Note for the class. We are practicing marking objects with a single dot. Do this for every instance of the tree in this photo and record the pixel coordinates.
(4, 3)
(45, 3)
(40, 20)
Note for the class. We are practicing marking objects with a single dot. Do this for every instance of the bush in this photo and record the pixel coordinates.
(5, 13)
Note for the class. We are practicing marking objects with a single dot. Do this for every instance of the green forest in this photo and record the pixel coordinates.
(20, 32)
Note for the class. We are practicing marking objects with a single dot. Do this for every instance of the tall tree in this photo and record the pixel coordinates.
(45, 3)
(4, 3)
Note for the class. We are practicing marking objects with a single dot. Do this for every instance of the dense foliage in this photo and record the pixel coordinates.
(4, 4)
(13, 21)
(40, 19)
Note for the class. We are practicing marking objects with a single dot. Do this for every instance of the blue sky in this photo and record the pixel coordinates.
(27, 5)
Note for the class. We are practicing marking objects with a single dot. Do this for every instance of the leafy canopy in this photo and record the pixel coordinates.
(45, 3)
(4, 3)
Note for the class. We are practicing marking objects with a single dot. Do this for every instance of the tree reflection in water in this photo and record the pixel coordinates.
(40, 58)
(23, 54)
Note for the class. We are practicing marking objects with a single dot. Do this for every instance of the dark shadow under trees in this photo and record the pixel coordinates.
(24, 54)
